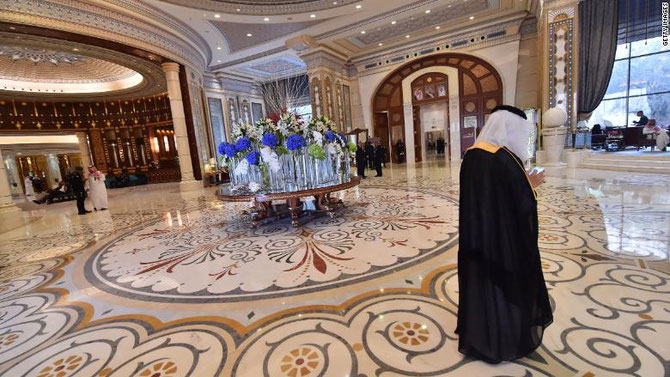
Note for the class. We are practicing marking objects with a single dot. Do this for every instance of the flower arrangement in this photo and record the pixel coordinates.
(275, 154)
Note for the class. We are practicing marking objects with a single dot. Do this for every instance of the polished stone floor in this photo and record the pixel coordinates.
(170, 283)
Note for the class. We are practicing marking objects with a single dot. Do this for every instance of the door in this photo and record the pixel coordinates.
(416, 116)
(382, 132)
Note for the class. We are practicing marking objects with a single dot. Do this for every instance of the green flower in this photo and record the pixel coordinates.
(352, 147)
(317, 152)
(280, 149)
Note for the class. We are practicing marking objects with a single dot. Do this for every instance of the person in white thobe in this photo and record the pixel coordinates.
(659, 133)
(97, 188)
(27, 181)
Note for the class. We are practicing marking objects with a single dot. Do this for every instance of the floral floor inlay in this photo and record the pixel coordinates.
(170, 283)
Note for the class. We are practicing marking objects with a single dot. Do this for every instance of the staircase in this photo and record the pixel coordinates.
(630, 161)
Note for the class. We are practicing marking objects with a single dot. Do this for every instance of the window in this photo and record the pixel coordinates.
(640, 82)
(304, 111)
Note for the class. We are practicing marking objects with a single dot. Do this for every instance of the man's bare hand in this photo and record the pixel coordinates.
(536, 178)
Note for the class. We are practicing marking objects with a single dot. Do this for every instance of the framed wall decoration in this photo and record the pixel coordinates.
(470, 122)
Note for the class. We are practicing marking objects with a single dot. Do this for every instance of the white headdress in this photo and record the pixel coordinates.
(506, 127)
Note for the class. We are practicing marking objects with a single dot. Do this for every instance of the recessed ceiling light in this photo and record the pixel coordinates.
(334, 2)
(407, 36)
(437, 28)
(359, 6)
(266, 19)
(362, 31)
(312, 15)
(427, 10)
(472, 17)
(381, 44)
(393, 22)
(217, 16)
(449, 6)
(218, 61)
(75, 49)
(238, 9)
(249, 35)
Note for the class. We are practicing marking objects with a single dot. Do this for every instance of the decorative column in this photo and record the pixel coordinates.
(13, 175)
(330, 85)
(558, 42)
(85, 151)
(9, 213)
(54, 170)
(179, 123)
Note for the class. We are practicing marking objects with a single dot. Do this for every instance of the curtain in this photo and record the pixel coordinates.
(598, 26)
(639, 20)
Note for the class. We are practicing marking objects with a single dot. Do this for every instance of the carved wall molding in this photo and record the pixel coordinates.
(91, 19)
(491, 35)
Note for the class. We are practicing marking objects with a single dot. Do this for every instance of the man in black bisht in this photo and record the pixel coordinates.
(503, 302)
(380, 157)
(370, 154)
(400, 151)
(360, 160)
(75, 180)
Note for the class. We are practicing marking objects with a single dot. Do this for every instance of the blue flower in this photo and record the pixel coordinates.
(295, 142)
(342, 136)
(270, 139)
(243, 144)
(330, 136)
(227, 149)
(252, 158)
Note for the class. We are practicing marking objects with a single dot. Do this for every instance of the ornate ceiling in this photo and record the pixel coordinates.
(236, 34)
(39, 67)
(263, 7)
(42, 70)
(411, 24)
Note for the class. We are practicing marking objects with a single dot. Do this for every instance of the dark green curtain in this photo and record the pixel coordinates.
(598, 30)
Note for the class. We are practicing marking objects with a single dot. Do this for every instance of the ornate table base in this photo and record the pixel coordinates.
(264, 208)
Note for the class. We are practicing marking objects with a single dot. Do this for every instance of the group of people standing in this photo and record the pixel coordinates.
(75, 182)
(372, 156)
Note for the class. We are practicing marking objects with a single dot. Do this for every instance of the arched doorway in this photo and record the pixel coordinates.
(478, 89)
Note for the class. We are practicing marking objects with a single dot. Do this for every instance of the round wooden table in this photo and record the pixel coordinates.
(264, 208)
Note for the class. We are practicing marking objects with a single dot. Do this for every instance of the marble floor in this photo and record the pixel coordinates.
(174, 283)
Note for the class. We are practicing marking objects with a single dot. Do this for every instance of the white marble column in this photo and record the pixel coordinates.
(85, 152)
(179, 122)
(10, 214)
(13, 174)
(54, 170)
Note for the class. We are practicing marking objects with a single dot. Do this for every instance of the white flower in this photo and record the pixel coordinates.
(332, 150)
(242, 168)
(254, 187)
(318, 138)
(271, 158)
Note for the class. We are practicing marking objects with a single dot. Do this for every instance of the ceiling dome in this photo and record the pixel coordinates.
(263, 7)
(39, 67)
(41, 70)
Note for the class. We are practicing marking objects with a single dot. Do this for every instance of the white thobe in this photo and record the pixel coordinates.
(98, 191)
(29, 186)
(660, 135)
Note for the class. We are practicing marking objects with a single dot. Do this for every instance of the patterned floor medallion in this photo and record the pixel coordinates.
(217, 255)
(176, 284)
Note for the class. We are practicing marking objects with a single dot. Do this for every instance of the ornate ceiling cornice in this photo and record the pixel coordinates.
(262, 7)
(189, 35)
(98, 19)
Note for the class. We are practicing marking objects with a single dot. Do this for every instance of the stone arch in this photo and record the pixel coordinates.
(480, 89)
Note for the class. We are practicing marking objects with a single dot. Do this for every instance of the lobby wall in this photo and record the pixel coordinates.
(135, 134)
